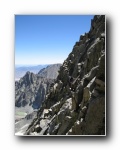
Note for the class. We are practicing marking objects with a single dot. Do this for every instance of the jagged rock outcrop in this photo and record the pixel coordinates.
(50, 72)
(75, 104)
(31, 90)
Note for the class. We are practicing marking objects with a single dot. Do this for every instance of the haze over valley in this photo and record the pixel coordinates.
(20, 70)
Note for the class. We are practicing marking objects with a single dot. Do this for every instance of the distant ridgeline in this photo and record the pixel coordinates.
(20, 71)
(50, 72)
(31, 89)
(75, 103)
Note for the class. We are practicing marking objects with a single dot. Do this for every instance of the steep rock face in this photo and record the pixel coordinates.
(50, 72)
(75, 104)
(31, 90)
(30, 93)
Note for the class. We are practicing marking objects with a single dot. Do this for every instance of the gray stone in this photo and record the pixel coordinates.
(101, 85)
(37, 128)
(84, 109)
(95, 117)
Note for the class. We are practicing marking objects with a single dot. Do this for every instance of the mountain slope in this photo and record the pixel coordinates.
(32, 88)
(30, 92)
(75, 104)
(50, 72)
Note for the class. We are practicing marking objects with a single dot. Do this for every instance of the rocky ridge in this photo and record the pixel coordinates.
(75, 104)
(32, 88)
(50, 72)
(30, 92)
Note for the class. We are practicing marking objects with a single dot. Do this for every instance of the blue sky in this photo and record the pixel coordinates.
(47, 39)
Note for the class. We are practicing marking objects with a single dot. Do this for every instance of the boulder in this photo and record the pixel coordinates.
(94, 119)
(37, 128)
(65, 125)
(55, 108)
(86, 94)
(101, 85)
(84, 109)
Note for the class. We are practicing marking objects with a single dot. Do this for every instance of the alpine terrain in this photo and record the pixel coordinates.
(30, 93)
(75, 101)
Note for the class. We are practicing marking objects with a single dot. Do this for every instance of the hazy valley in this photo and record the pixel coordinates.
(20, 70)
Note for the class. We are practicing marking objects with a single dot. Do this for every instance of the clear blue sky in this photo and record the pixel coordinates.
(47, 39)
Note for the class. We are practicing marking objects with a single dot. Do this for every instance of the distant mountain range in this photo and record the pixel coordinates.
(20, 70)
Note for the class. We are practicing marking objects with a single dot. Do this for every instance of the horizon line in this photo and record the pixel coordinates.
(39, 64)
